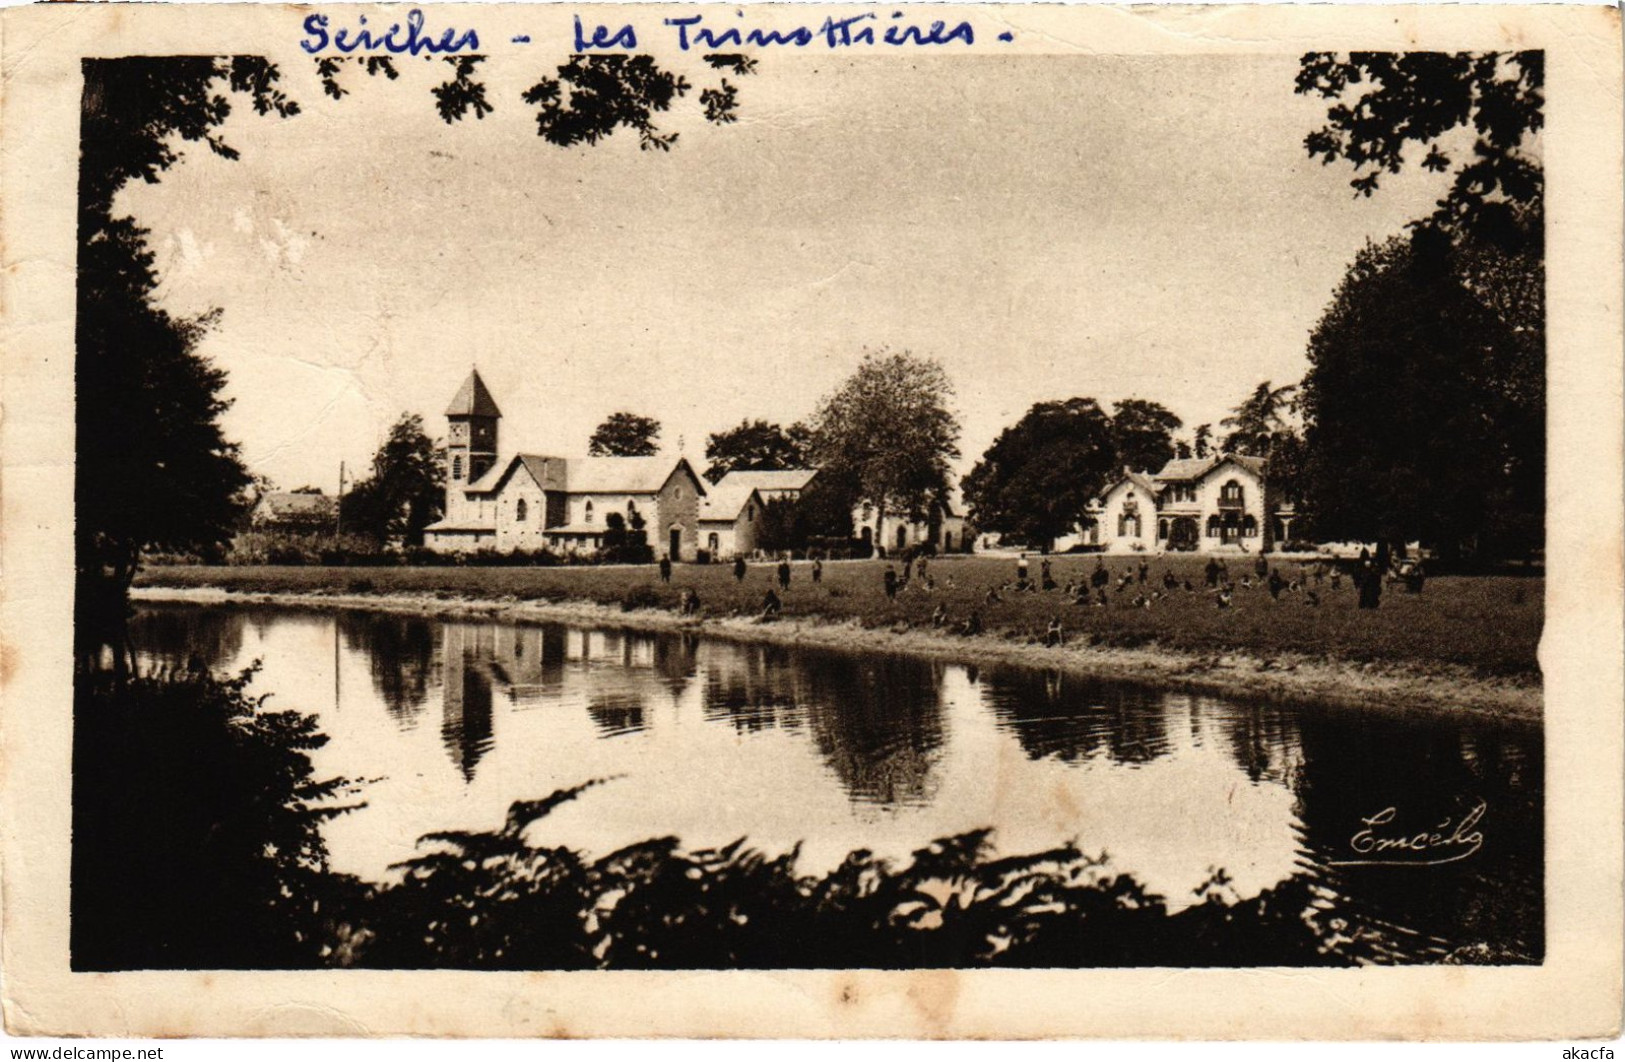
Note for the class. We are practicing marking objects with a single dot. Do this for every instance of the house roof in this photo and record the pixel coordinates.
(622, 475)
(1189, 468)
(282, 504)
(782, 479)
(1186, 468)
(1141, 480)
(1254, 465)
(727, 498)
(587, 475)
(548, 472)
(473, 399)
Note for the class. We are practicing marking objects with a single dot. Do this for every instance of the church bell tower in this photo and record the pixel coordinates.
(471, 442)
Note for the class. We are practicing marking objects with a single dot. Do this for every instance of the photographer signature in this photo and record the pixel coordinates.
(1378, 843)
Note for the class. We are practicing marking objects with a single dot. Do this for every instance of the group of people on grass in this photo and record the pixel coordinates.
(1305, 582)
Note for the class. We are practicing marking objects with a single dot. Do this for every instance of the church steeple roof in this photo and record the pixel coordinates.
(473, 399)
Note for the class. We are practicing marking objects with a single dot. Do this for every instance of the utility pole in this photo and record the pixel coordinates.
(338, 511)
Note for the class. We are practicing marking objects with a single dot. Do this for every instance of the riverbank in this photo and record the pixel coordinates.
(1407, 685)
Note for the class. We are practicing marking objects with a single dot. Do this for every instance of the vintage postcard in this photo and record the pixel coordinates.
(816, 521)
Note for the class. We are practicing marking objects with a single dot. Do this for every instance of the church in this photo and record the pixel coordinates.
(564, 504)
(1215, 504)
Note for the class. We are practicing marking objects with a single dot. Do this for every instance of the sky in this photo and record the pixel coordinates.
(1045, 226)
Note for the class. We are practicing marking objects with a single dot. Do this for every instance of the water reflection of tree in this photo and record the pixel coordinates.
(676, 660)
(400, 652)
(187, 638)
(617, 713)
(1263, 739)
(1486, 907)
(1071, 718)
(876, 720)
(750, 686)
(465, 724)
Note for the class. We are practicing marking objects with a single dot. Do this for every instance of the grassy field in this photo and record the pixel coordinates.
(1489, 624)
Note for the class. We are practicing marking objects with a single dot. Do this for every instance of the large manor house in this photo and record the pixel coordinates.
(571, 504)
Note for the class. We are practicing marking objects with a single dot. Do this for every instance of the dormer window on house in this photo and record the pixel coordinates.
(1231, 492)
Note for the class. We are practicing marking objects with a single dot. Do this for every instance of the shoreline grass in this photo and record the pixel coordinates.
(1467, 641)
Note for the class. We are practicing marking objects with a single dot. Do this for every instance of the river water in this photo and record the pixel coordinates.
(448, 722)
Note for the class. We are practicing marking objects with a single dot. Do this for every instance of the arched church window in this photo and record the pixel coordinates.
(589, 512)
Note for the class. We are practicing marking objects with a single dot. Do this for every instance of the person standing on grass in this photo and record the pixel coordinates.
(817, 571)
(665, 569)
(1261, 567)
(1276, 583)
(1054, 636)
(1211, 572)
(1021, 570)
(739, 569)
(1145, 571)
(1045, 574)
(1099, 577)
(784, 575)
(890, 582)
(1368, 580)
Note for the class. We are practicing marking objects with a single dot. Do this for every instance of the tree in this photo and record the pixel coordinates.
(824, 507)
(783, 525)
(1487, 231)
(1143, 434)
(1202, 444)
(1421, 408)
(152, 468)
(625, 435)
(1036, 481)
(888, 433)
(756, 446)
(1258, 419)
(406, 489)
(1419, 98)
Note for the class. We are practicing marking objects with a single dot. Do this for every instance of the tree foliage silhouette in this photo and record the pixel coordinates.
(1143, 433)
(756, 446)
(405, 491)
(1424, 416)
(1036, 481)
(1385, 103)
(625, 435)
(1482, 247)
(153, 467)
